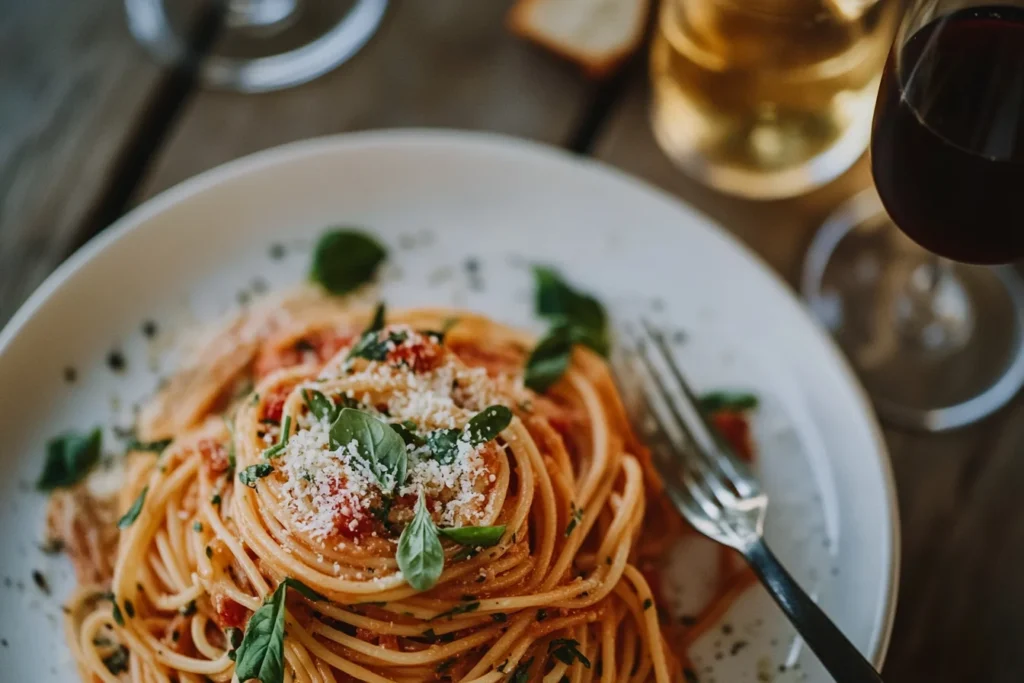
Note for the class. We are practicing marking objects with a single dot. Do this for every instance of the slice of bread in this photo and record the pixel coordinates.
(597, 34)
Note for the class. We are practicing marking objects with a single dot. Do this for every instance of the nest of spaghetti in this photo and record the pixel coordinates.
(501, 543)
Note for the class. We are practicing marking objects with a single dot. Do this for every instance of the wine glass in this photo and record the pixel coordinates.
(937, 342)
(260, 45)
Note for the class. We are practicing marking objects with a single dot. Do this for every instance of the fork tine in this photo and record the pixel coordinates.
(703, 434)
(664, 408)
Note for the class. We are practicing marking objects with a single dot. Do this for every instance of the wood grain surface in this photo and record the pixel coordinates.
(77, 98)
(442, 63)
(72, 86)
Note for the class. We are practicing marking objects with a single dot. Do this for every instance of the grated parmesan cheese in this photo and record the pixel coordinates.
(325, 485)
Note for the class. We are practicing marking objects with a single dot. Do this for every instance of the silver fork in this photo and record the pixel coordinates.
(717, 494)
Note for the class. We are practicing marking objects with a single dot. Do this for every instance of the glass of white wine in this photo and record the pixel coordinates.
(767, 98)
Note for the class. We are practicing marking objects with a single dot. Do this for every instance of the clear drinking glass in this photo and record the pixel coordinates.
(261, 45)
(767, 98)
(938, 343)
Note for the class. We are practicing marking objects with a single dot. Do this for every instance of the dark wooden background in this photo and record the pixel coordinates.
(89, 127)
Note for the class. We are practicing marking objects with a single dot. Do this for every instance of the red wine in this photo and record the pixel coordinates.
(947, 145)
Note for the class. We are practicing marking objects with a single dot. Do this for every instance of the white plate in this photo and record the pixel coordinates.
(438, 199)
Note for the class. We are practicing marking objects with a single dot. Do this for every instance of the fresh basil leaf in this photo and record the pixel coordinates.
(487, 424)
(276, 450)
(377, 443)
(253, 473)
(420, 555)
(371, 347)
(557, 301)
(133, 512)
(377, 322)
(477, 536)
(321, 406)
(594, 339)
(549, 360)
(407, 430)
(261, 654)
(738, 401)
(444, 445)
(566, 650)
(345, 259)
(69, 458)
(302, 588)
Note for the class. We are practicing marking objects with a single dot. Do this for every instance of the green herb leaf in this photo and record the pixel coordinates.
(117, 661)
(321, 406)
(477, 536)
(261, 653)
(253, 473)
(458, 609)
(407, 430)
(133, 512)
(344, 260)
(371, 347)
(737, 401)
(69, 458)
(302, 588)
(118, 617)
(276, 450)
(377, 443)
(566, 650)
(420, 555)
(561, 304)
(575, 517)
(444, 445)
(154, 446)
(377, 322)
(521, 674)
(487, 424)
(549, 359)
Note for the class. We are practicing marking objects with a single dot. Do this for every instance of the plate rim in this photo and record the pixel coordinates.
(138, 215)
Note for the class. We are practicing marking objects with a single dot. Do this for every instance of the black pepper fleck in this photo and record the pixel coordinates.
(115, 361)
(277, 251)
(149, 329)
(242, 297)
(472, 265)
(70, 375)
(259, 285)
(727, 629)
(737, 646)
(3, 641)
(40, 581)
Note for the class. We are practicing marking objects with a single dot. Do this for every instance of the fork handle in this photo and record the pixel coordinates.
(834, 650)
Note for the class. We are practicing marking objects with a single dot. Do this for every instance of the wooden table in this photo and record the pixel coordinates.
(90, 127)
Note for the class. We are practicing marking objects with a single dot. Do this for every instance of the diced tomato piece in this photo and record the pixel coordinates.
(421, 354)
(735, 428)
(227, 612)
(214, 457)
(273, 409)
(346, 521)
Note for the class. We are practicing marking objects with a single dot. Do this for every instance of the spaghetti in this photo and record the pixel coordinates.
(283, 533)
